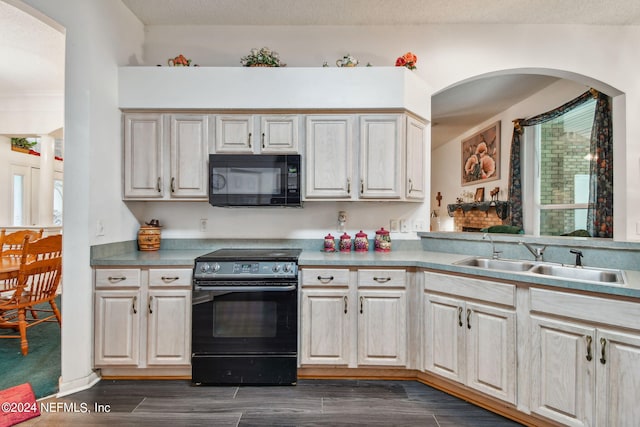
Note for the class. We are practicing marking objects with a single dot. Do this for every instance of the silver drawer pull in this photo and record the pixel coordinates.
(169, 279)
(116, 279)
(382, 279)
(325, 279)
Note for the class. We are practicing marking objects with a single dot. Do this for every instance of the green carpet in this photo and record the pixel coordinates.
(40, 367)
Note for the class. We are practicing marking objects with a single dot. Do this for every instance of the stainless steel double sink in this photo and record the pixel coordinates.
(560, 271)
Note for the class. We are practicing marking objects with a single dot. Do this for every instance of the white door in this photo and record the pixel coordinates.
(143, 156)
(324, 335)
(617, 359)
(491, 350)
(117, 327)
(189, 153)
(381, 156)
(382, 327)
(279, 134)
(234, 134)
(329, 151)
(562, 371)
(169, 327)
(415, 181)
(444, 326)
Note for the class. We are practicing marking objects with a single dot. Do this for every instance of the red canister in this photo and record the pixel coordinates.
(329, 243)
(345, 243)
(383, 241)
(362, 242)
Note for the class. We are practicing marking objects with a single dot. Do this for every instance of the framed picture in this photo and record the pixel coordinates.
(481, 156)
(479, 197)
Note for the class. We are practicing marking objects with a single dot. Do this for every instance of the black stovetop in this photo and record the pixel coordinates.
(249, 254)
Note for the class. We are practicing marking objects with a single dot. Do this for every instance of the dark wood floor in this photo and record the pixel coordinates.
(310, 403)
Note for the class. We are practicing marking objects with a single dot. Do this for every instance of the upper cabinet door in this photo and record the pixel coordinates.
(329, 162)
(143, 171)
(415, 182)
(234, 134)
(279, 134)
(380, 156)
(189, 151)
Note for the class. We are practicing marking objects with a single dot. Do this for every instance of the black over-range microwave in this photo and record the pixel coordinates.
(254, 180)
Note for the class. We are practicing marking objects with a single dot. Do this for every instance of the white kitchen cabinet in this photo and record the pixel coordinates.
(253, 134)
(415, 164)
(329, 157)
(374, 168)
(586, 370)
(353, 323)
(144, 173)
(166, 156)
(470, 333)
(326, 315)
(142, 318)
(381, 156)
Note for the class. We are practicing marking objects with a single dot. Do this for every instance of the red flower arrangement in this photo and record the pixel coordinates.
(407, 60)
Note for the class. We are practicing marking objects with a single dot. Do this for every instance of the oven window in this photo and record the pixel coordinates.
(245, 319)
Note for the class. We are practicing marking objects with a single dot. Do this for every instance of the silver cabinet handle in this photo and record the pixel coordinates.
(345, 304)
(159, 185)
(116, 279)
(468, 318)
(263, 146)
(325, 279)
(603, 343)
(382, 279)
(168, 279)
(173, 184)
(361, 304)
(150, 302)
(589, 340)
(249, 140)
(133, 305)
(460, 317)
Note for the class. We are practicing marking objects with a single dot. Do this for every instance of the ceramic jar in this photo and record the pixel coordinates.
(383, 241)
(362, 242)
(329, 243)
(345, 243)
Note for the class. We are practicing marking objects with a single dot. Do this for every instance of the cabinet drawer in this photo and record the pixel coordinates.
(382, 278)
(118, 278)
(325, 277)
(484, 290)
(160, 277)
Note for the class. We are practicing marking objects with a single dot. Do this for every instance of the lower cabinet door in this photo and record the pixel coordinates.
(169, 327)
(444, 327)
(325, 337)
(382, 327)
(491, 350)
(117, 327)
(562, 374)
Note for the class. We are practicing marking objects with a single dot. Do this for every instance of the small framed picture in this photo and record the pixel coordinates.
(479, 197)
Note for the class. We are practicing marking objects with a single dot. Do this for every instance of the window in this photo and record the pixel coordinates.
(561, 173)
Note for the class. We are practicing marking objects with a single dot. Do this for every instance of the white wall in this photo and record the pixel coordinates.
(445, 175)
(100, 35)
(599, 56)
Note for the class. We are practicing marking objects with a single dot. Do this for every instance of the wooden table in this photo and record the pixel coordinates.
(9, 267)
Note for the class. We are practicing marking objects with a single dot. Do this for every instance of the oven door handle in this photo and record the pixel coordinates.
(245, 288)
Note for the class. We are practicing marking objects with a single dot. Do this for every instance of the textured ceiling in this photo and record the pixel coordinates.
(384, 12)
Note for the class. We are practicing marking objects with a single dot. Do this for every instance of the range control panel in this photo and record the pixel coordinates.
(216, 270)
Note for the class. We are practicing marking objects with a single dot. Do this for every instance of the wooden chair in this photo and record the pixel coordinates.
(37, 281)
(11, 244)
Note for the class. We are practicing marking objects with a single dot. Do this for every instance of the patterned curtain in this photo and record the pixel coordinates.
(600, 212)
(515, 172)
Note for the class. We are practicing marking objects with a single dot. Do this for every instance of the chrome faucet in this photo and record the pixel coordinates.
(494, 252)
(536, 251)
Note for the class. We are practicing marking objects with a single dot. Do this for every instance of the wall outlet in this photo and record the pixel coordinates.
(394, 225)
(419, 225)
(404, 226)
(99, 228)
(203, 224)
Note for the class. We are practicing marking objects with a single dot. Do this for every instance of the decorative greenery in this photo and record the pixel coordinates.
(23, 143)
(264, 57)
(407, 60)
